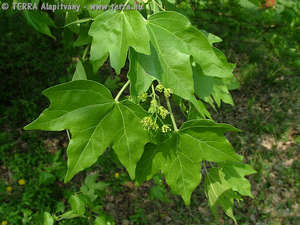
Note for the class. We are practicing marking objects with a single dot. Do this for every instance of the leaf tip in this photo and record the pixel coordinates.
(28, 127)
(68, 177)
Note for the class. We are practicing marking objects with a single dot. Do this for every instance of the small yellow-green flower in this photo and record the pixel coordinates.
(21, 182)
(117, 175)
(143, 97)
(4, 222)
(8, 189)
(165, 128)
(149, 123)
(146, 121)
(167, 92)
(159, 88)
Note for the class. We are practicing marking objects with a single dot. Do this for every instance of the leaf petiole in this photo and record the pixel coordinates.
(171, 114)
(126, 3)
(85, 52)
(121, 91)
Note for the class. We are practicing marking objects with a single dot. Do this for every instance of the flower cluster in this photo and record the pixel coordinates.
(159, 88)
(167, 92)
(163, 112)
(156, 110)
(165, 128)
(149, 123)
(143, 97)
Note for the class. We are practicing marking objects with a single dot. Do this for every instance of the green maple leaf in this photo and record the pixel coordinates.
(208, 138)
(40, 21)
(180, 156)
(168, 63)
(48, 219)
(172, 43)
(114, 32)
(223, 183)
(180, 165)
(207, 87)
(147, 167)
(219, 192)
(172, 55)
(140, 80)
(195, 43)
(96, 121)
(189, 41)
(79, 72)
(235, 173)
(212, 38)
